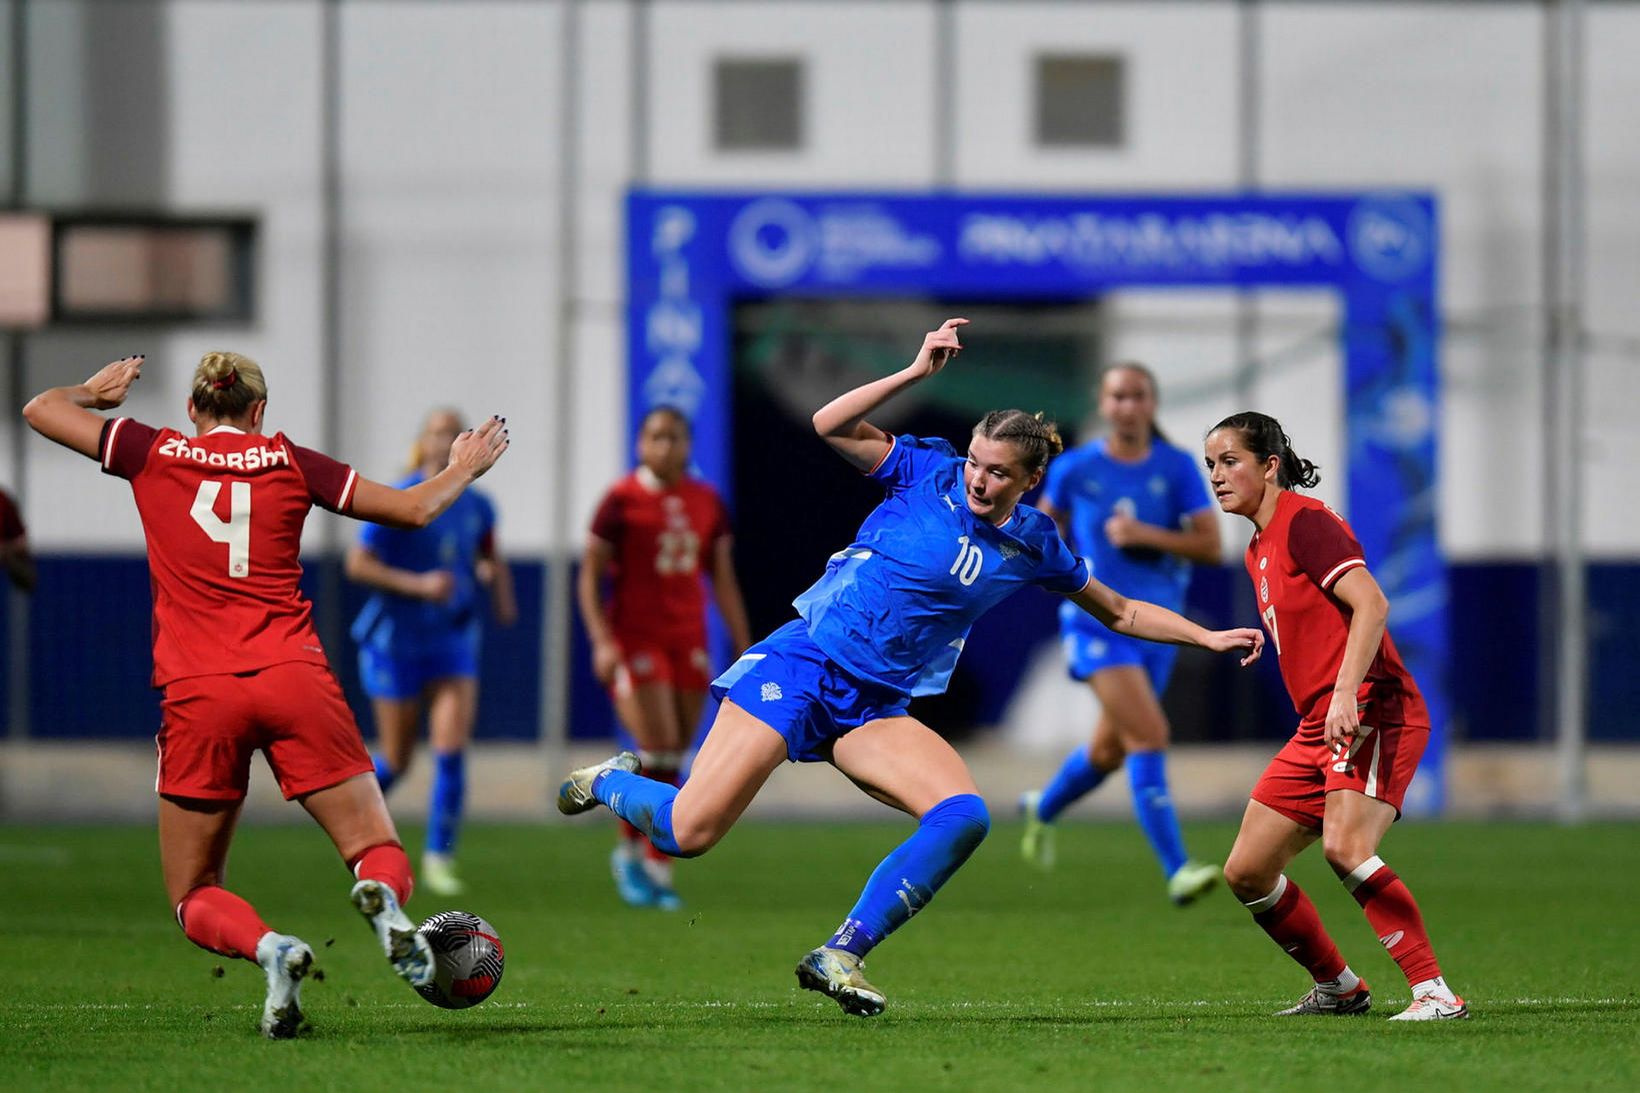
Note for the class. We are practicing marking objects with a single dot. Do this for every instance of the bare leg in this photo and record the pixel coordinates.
(397, 722)
(737, 757)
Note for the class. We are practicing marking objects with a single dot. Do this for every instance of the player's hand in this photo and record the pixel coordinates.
(1343, 721)
(1123, 530)
(113, 382)
(938, 348)
(437, 585)
(606, 658)
(476, 450)
(1240, 639)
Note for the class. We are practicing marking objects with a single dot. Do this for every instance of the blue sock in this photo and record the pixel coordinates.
(1147, 775)
(908, 878)
(1076, 779)
(385, 774)
(642, 802)
(444, 803)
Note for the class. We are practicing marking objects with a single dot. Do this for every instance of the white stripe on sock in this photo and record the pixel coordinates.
(1264, 903)
(1360, 873)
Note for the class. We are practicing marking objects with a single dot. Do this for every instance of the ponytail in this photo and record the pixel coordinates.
(1265, 437)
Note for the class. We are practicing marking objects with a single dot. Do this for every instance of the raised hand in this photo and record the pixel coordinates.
(476, 450)
(938, 347)
(112, 383)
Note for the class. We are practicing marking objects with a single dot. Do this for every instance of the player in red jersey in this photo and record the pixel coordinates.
(236, 654)
(654, 534)
(1363, 726)
(15, 558)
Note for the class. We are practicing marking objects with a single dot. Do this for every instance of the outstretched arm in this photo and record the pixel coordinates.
(64, 414)
(842, 421)
(474, 452)
(1151, 622)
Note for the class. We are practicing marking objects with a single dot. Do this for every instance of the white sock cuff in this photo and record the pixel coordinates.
(660, 760)
(1264, 903)
(1360, 873)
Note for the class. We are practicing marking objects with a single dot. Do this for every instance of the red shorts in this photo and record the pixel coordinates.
(682, 664)
(293, 712)
(1379, 762)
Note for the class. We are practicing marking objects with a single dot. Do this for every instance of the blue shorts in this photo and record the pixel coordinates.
(401, 676)
(788, 683)
(1087, 652)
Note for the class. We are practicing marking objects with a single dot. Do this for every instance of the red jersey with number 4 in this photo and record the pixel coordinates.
(660, 534)
(1294, 564)
(223, 517)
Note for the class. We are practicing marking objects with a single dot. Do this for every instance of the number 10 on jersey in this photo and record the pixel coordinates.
(969, 561)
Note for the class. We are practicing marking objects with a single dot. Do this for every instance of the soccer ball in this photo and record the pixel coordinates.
(467, 959)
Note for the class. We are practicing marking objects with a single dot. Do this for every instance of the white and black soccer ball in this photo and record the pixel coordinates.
(467, 959)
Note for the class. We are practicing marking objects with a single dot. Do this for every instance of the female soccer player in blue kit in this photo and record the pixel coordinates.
(1136, 507)
(885, 622)
(419, 638)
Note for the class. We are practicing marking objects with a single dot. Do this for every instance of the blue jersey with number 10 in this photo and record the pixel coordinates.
(896, 606)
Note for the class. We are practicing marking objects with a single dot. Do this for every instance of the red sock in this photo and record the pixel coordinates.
(1291, 920)
(669, 775)
(1395, 918)
(216, 919)
(630, 834)
(388, 863)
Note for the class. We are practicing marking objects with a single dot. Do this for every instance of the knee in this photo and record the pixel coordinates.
(1107, 754)
(1248, 879)
(967, 818)
(695, 837)
(1345, 850)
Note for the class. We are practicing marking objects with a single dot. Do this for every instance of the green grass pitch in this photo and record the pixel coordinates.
(1084, 978)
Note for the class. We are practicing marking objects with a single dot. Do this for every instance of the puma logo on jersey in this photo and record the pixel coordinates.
(251, 459)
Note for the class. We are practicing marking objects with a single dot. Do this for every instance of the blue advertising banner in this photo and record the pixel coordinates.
(690, 255)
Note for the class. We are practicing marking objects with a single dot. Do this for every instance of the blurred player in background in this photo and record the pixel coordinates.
(1136, 507)
(655, 532)
(1363, 726)
(419, 637)
(14, 553)
(236, 654)
(886, 621)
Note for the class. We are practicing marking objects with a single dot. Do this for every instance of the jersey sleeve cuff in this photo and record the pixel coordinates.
(345, 501)
(892, 442)
(109, 433)
(1340, 569)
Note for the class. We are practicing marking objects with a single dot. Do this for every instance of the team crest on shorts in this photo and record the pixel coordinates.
(771, 692)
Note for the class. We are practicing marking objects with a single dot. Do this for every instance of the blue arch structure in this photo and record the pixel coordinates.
(691, 254)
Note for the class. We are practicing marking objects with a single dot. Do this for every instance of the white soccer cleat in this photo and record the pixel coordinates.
(575, 794)
(1432, 1007)
(1191, 881)
(1320, 1003)
(287, 960)
(836, 974)
(438, 873)
(406, 949)
(1037, 844)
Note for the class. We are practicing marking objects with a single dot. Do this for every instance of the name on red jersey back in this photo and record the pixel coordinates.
(222, 515)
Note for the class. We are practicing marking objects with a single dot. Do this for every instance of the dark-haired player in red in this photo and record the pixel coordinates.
(1363, 726)
(655, 532)
(236, 654)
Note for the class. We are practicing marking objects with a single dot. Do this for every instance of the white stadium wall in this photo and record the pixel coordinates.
(451, 205)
